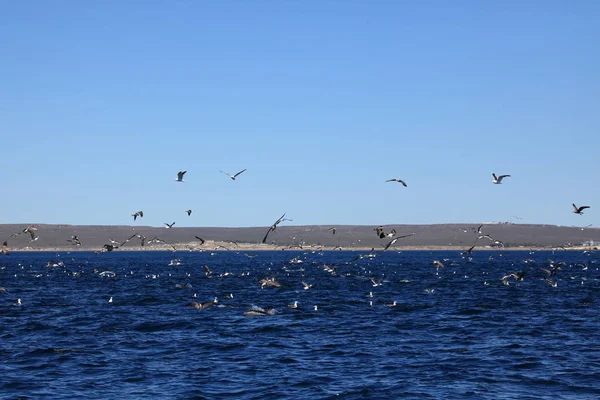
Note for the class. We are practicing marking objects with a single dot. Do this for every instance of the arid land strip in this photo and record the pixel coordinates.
(347, 237)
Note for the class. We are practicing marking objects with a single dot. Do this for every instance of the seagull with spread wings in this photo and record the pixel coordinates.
(137, 214)
(393, 241)
(274, 226)
(579, 210)
(234, 175)
(180, 176)
(498, 179)
(397, 180)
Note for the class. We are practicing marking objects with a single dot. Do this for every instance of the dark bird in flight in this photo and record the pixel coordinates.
(332, 230)
(137, 214)
(200, 239)
(169, 225)
(180, 176)
(4, 248)
(234, 175)
(579, 210)
(110, 247)
(273, 227)
(397, 180)
(74, 240)
(498, 179)
(553, 268)
(468, 252)
(189, 212)
(31, 229)
(379, 231)
(142, 238)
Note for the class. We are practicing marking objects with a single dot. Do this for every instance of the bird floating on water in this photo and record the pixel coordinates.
(202, 306)
(257, 311)
(498, 179)
(294, 305)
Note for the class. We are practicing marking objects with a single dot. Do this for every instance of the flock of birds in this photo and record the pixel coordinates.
(307, 273)
(334, 269)
(74, 240)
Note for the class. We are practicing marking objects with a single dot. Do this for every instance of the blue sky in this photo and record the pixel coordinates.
(103, 102)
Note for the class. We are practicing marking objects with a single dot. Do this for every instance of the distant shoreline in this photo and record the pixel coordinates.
(450, 237)
(253, 247)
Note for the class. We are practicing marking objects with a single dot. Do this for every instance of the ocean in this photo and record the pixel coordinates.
(457, 332)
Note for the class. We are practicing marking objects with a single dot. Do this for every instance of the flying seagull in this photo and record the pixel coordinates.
(137, 214)
(498, 179)
(377, 282)
(273, 227)
(180, 176)
(468, 252)
(169, 225)
(189, 212)
(142, 237)
(233, 176)
(200, 239)
(110, 247)
(397, 180)
(74, 240)
(393, 241)
(438, 265)
(333, 229)
(579, 210)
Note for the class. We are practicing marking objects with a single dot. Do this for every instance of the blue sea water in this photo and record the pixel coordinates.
(456, 332)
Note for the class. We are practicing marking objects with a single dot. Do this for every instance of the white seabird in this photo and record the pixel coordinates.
(234, 175)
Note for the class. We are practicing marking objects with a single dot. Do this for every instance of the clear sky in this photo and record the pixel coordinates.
(102, 102)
